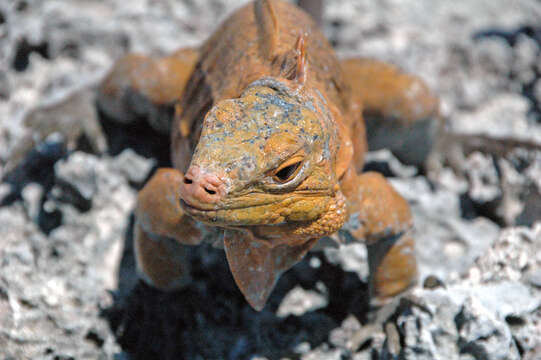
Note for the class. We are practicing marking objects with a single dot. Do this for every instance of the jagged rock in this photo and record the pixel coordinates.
(482, 314)
(65, 214)
(442, 326)
(323, 354)
(483, 178)
(134, 167)
(383, 161)
(501, 299)
(537, 91)
(516, 251)
(44, 316)
(350, 257)
(446, 244)
(482, 334)
(64, 278)
(504, 116)
(32, 195)
(534, 278)
(515, 256)
(342, 336)
(525, 330)
(72, 114)
(527, 52)
(37, 164)
(105, 223)
(77, 180)
(5, 191)
(299, 301)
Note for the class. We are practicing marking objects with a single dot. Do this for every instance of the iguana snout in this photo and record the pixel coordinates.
(201, 188)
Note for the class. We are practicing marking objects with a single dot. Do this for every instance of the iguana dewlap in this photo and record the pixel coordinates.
(267, 144)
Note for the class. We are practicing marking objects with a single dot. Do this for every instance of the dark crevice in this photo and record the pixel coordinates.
(468, 347)
(21, 60)
(71, 49)
(38, 167)
(10, 198)
(520, 348)
(511, 36)
(95, 338)
(474, 349)
(471, 209)
(468, 209)
(514, 320)
(21, 6)
(532, 207)
(69, 194)
(336, 28)
(84, 144)
(48, 219)
(528, 91)
(63, 357)
(381, 167)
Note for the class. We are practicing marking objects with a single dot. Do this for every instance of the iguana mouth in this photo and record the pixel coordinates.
(203, 215)
(223, 216)
(300, 218)
(254, 199)
(197, 210)
(271, 210)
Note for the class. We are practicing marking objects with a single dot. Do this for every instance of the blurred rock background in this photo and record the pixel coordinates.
(70, 176)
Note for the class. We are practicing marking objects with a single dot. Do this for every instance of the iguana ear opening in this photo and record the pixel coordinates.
(267, 26)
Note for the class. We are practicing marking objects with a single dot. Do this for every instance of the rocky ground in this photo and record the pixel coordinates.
(68, 289)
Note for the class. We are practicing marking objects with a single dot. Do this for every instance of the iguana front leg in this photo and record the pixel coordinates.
(399, 109)
(139, 86)
(384, 223)
(162, 230)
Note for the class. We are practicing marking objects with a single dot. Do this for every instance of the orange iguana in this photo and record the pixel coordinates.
(267, 143)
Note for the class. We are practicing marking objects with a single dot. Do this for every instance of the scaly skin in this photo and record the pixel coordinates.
(267, 144)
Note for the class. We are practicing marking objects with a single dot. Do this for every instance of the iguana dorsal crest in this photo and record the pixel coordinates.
(299, 74)
(267, 27)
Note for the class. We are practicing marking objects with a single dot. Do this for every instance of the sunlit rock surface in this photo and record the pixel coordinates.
(68, 288)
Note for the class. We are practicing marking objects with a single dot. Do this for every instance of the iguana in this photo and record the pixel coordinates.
(267, 144)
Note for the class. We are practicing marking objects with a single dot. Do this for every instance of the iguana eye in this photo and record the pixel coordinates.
(287, 170)
(287, 173)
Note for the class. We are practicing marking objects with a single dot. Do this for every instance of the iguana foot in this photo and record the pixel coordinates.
(161, 261)
(161, 232)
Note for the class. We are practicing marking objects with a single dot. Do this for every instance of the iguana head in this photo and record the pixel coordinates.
(266, 162)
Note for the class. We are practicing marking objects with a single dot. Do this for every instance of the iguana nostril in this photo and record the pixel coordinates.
(201, 187)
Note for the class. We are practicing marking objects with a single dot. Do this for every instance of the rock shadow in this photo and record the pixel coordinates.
(210, 318)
